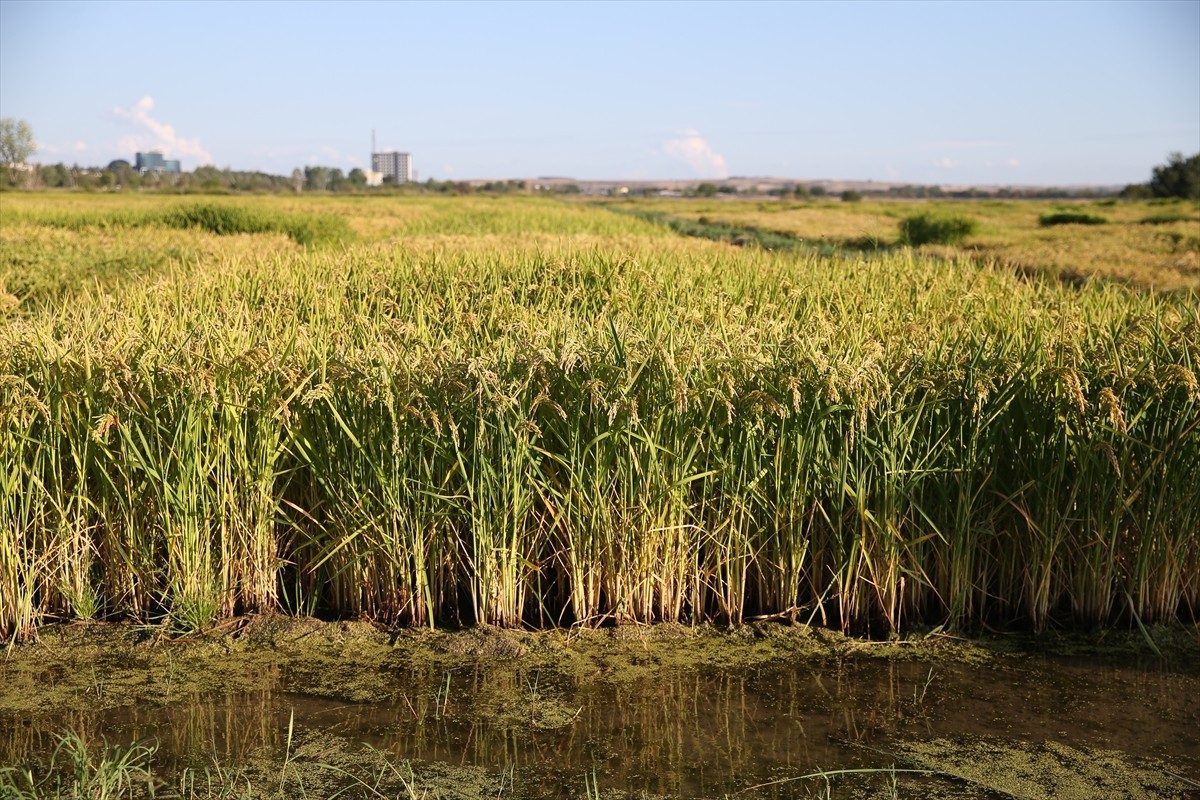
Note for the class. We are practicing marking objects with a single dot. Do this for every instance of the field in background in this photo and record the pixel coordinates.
(1154, 244)
(523, 411)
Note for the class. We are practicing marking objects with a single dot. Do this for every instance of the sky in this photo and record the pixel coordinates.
(1034, 93)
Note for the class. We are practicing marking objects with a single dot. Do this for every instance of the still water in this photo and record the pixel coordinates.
(1013, 727)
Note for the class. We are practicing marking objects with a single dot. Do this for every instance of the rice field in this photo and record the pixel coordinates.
(1147, 245)
(521, 411)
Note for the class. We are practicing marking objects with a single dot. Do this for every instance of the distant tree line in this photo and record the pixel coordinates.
(1179, 177)
(121, 175)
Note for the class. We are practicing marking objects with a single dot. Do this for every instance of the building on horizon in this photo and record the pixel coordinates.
(153, 161)
(391, 164)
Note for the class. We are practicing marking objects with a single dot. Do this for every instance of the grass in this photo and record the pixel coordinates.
(528, 412)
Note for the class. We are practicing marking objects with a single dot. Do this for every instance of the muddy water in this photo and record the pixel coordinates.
(513, 727)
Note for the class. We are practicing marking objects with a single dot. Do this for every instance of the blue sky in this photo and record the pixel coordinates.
(965, 92)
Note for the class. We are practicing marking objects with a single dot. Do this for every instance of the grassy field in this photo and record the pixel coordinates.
(521, 411)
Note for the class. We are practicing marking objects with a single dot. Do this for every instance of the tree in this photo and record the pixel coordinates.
(1179, 177)
(851, 196)
(208, 177)
(297, 180)
(16, 141)
(56, 175)
(707, 189)
(124, 175)
(357, 177)
(16, 145)
(316, 178)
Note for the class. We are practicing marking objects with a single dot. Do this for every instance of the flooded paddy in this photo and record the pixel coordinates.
(293, 708)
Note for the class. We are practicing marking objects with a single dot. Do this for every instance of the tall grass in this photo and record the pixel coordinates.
(582, 434)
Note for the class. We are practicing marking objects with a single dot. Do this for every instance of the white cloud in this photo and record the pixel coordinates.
(945, 163)
(1012, 162)
(961, 144)
(158, 135)
(692, 150)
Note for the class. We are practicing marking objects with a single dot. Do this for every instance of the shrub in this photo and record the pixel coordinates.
(929, 228)
(851, 196)
(1070, 218)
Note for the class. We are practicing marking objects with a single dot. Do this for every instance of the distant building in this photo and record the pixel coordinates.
(153, 161)
(390, 164)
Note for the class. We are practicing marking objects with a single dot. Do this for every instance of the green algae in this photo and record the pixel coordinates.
(96, 666)
(1045, 770)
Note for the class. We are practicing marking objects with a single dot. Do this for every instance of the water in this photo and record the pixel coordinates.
(501, 727)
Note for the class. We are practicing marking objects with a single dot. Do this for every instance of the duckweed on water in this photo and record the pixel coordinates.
(96, 666)
(1044, 770)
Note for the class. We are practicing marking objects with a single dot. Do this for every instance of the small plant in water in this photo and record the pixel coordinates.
(591, 785)
(75, 771)
(442, 699)
(920, 691)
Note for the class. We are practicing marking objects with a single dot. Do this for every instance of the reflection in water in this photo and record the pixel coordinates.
(681, 733)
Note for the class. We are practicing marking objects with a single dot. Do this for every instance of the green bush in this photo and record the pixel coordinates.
(929, 228)
(1070, 218)
(851, 196)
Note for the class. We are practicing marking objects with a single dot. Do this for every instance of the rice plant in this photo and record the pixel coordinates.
(605, 424)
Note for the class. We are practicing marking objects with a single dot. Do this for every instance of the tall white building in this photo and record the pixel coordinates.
(391, 163)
